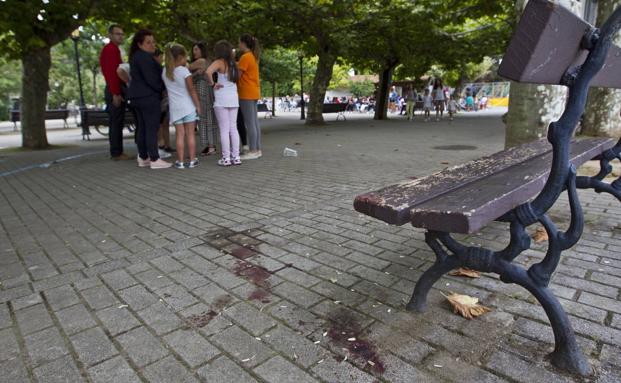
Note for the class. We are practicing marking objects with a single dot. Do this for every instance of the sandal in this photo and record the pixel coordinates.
(224, 162)
(208, 151)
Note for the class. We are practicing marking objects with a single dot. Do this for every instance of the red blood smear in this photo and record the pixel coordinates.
(257, 276)
(344, 326)
(242, 252)
(260, 295)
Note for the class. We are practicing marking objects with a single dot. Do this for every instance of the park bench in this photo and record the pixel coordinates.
(519, 185)
(50, 114)
(98, 118)
(262, 108)
(335, 108)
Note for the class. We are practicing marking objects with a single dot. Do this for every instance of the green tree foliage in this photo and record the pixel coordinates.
(10, 84)
(362, 88)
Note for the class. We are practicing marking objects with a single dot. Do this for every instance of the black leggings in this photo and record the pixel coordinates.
(148, 122)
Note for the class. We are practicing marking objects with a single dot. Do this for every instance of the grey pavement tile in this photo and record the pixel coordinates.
(137, 297)
(160, 318)
(168, 370)
(295, 347)
(278, 370)
(27, 301)
(224, 370)
(93, 346)
(154, 279)
(14, 292)
(242, 346)
(191, 346)
(33, 319)
(521, 371)
(166, 264)
(117, 320)
(453, 369)
(62, 370)
(142, 347)
(299, 295)
(176, 296)
(100, 297)
(45, 346)
(75, 319)
(61, 297)
(250, 318)
(611, 355)
(188, 278)
(332, 371)
(118, 279)
(9, 348)
(113, 370)
(5, 316)
(13, 371)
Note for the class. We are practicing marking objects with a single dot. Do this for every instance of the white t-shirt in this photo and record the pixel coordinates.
(180, 102)
(428, 101)
(226, 96)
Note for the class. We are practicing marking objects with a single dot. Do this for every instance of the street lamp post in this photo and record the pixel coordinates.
(302, 102)
(75, 36)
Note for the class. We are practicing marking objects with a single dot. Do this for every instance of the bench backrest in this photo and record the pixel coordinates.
(50, 114)
(334, 108)
(548, 42)
(262, 108)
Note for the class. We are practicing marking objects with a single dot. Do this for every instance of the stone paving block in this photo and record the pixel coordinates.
(191, 346)
(295, 347)
(299, 277)
(33, 319)
(87, 283)
(599, 301)
(137, 297)
(160, 318)
(5, 316)
(9, 348)
(154, 279)
(45, 346)
(188, 278)
(176, 296)
(521, 371)
(58, 280)
(297, 294)
(616, 321)
(75, 319)
(611, 355)
(100, 297)
(342, 278)
(278, 370)
(224, 370)
(332, 371)
(118, 279)
(450, 368)
(242, 346)
(394, 340)
(27, 301)
(61, 297)
(113, 370)
(141, 347)
(381, 277)
(166, 264)
(297, 318)
(13, 371)
(93, 346)
(62, 370)
(117, 320)
(15, 292)
(168, 370)
(250, 318)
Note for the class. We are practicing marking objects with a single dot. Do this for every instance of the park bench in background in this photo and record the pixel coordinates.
(98, 118)
(335, 108)
(519, 185)
(50, 114)
(262, 108)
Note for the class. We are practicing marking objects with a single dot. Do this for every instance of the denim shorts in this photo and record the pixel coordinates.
(189, 118)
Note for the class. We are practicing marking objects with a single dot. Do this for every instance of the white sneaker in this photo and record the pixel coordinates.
(250, 156)
(163, 153)
(143, 163)
(160, 164)
(245, 149)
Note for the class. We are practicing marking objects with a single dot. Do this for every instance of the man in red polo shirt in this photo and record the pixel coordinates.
(109, 61)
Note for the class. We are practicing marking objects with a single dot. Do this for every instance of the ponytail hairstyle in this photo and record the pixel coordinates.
(224, 51)
(138, 38)
(252, 43)
(172, 55)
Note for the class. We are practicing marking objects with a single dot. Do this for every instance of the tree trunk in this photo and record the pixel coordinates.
(381, 104)
(94, 72)
(273, 98)
(323, 74)
(533, 107)
(602, 114)
(35, 76)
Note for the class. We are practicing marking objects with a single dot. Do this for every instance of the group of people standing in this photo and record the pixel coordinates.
(189, 92)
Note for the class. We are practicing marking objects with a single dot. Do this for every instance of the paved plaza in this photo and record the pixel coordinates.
(265, 273)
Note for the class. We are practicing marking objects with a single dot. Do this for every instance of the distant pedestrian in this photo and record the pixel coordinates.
(145, 94)
(109, 61)
(438, 98)
(249, 90)
(452, 107)
(410, 97)
(184, 106)
(207, 124)
(427, 104)
(226, 101)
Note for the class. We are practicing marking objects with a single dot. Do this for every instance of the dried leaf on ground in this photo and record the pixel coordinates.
(540, 235)
(466, 306)
(464, 272)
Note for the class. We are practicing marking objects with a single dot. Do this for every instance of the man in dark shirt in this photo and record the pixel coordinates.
(109, 61)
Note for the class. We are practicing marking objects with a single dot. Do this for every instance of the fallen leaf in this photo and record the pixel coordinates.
(540, 235)
(466, 306)
(464, 272)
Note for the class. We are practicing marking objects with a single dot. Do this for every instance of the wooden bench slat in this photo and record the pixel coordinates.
(393, 203)
(547, 42)
(475, 205)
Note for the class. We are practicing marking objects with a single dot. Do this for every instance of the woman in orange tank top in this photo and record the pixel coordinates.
(249, 90)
